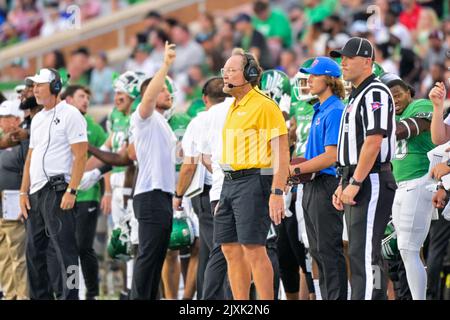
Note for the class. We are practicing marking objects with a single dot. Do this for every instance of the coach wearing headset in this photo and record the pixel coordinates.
(53, 169)
(255, 161)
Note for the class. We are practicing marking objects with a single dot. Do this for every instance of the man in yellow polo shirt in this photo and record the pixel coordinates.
(255, 161)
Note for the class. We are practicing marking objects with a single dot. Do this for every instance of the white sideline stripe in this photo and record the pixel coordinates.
(375, 186)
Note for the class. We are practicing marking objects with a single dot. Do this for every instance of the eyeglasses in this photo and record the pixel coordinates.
(224, 71)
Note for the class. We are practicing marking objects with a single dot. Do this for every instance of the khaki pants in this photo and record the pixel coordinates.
(13, 271)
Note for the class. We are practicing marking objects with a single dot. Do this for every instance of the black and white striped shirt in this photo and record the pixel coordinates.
(370, 110)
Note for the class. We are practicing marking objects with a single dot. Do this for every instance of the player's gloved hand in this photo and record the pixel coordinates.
(285, 103)
(90, 178)
(180, 213)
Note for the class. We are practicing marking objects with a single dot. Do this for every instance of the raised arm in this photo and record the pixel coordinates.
(148, 102)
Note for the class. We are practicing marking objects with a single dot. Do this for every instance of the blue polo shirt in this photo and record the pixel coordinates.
(324, 129)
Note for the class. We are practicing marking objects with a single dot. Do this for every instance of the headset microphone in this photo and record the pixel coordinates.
(231, 86)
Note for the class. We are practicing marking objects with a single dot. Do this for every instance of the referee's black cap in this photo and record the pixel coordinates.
(391, 80)
(354, 47)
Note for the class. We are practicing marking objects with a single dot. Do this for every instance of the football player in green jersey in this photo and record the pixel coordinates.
(412, 209)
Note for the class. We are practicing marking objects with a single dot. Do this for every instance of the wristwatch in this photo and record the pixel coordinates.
(72, 191)
(277, 192)
(353, 182)
(176, 195)
(448, 162)
(297, 170)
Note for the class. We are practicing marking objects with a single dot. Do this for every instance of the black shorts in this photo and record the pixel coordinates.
(243, 212)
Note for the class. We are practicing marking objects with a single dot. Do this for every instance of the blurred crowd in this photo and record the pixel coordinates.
(412, 39)
(24, 19)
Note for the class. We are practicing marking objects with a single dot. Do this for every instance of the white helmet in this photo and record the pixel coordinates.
(129, 82)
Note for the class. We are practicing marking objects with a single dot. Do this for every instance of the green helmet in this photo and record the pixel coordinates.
(275, 84)
(182, 234)
(129, 82)
(389, 248)
(171, 86)
(196, 106)
(119, 246)
(377, 69)
(300, 88)
(179, 121)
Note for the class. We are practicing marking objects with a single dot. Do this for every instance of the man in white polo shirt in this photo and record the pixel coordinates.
(53, 169)
(155, 145)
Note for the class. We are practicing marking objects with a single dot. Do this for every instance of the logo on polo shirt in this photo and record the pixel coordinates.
(376, 105)
(241, 113)
(349, 108)
(317, 121)
(56, 121)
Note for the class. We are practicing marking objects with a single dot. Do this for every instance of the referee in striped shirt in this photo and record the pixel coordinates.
(367, 186)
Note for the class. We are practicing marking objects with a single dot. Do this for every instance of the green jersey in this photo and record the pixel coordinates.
(411, 159)
(118, 125)
(179, 122)
(303, 113)
(96, 137)
(276, 25)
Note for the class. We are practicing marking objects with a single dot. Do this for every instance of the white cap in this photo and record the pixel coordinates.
(43, 76)
(11, 108)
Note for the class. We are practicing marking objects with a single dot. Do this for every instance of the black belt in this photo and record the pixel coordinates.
(233, 175)
(377, 168)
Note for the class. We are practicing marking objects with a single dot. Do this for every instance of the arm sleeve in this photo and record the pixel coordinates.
(100, 135)
(332, 124)
(188, 143)
(76, 128)
(272, 121)
(377, 106)
(203, 145)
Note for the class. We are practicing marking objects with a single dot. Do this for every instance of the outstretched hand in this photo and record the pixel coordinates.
(169, 54)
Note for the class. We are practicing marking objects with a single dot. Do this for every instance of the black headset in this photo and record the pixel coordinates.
(56, 83)
(251, 69)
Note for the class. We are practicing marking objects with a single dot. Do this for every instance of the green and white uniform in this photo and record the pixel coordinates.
(179, 122)
(96, 137)
(118, 127)
(412, 209)
(303, 112)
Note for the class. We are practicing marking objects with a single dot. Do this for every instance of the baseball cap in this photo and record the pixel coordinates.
(242, 17)
(10, 108)
(355, 46)
(43, 76)
(391, 80)
(323, 66)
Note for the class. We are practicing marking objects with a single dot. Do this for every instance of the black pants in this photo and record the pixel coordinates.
(324, 226)
(86, 216)
(47, 222)
(437, 249)
(292, 255)
(202, 208)
(153, 210)
(366, 223)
